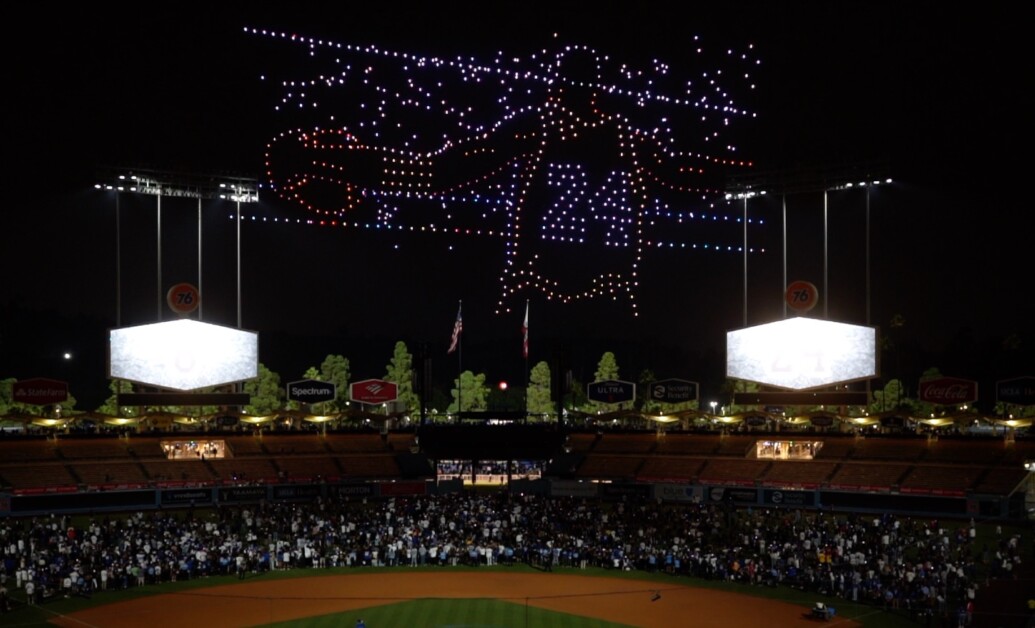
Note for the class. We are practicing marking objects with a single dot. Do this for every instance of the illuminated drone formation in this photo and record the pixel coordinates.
(548, 153)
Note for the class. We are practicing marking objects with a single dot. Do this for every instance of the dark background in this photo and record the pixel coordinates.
(941, 97)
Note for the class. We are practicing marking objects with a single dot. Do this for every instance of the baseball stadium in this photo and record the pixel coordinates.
(477, 524)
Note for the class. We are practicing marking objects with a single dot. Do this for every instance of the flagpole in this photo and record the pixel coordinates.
(524, 351)
(459, 375)
(455, 345)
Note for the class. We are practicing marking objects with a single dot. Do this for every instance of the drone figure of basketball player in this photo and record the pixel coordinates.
(562, 149)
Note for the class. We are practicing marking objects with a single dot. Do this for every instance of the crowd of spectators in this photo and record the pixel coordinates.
(923, 567)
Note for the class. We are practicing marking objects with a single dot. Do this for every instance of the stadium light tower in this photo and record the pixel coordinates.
(163, 183)
(801, 181)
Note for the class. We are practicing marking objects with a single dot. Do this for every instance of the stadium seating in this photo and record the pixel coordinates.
(626, 443)
(244, 469)
(733, 471)
(297, 444)
(307, 467)
(836, 448)
(955, 450)
(947, 466)
(31, 449)
(582, 442)
(688, 444)
(356, 443)
(245, 446)
(99, 449)
(109, 473)
(889, 449)
(1000, 480)
(941, 479)
(371, 466)
(179, 471)
(868, 476)
(736, 444)
(37, 476)
(798, 473)
(670, 468)
(609, 466)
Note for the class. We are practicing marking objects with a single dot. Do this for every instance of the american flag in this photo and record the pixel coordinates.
(524, 333)
(458, 326)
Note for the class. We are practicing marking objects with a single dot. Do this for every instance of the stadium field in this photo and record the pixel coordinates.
(449, 597)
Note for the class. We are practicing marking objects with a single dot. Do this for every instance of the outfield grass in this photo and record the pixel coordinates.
(454, 613)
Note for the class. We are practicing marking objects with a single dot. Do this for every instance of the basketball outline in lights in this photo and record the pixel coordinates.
(562, 148)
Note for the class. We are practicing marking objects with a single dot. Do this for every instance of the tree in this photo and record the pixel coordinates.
(891, 397)
(576, 397)
(266, 393)
(335, 370)
(472, 392)
(643, 401)
(400, 372)
(734, 386)
(7, 404)
(607, 369)
(538, 400)
(111, 404)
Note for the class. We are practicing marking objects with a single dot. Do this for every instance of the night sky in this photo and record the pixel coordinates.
(938, 100)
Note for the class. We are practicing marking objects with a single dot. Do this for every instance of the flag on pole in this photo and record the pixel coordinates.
(524, 333)
(458, 326)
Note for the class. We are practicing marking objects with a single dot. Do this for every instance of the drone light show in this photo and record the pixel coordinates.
(578, 163)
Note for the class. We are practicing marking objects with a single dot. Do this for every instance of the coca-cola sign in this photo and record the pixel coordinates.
(948, 390)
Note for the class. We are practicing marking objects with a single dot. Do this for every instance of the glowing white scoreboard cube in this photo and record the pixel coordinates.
(183, 354)
(802, 353)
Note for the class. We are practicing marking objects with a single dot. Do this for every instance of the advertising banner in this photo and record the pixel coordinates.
(234, 494)
(350, 490)
(186, 496)
(735, 495)
(296, 491)
(678, 493)
(789, 498)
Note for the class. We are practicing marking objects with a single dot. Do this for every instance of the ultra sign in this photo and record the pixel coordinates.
(611, 391)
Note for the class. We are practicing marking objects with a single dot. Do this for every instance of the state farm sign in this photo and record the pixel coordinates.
(948, 390)
(39, 391)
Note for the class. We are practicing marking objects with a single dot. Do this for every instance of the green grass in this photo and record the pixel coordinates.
(453, 613)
